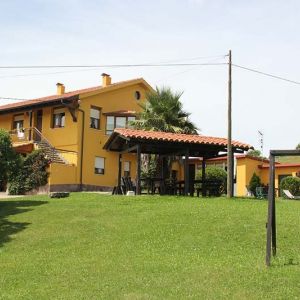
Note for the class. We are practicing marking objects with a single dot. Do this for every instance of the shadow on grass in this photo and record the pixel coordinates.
(9, 208)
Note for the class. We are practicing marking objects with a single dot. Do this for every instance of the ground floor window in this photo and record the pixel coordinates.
(99, 165)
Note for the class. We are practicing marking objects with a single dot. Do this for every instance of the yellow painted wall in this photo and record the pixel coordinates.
(69, 137)
(62, 174)
(247, 166)
(245, 169)
(94, 140)
(291, 171)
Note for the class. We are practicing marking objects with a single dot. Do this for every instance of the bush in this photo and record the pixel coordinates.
(254, 183)
(216, 178)
(10, 161)
(32, 174)
(292, 184)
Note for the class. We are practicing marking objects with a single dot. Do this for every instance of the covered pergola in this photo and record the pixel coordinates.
(125, 140)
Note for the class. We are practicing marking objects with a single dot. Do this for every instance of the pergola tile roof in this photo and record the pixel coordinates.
(179, 138)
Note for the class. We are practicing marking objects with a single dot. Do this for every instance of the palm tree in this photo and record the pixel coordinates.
(163, 111)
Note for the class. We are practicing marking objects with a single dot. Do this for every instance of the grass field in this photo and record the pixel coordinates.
(288, 159)
(90, 246)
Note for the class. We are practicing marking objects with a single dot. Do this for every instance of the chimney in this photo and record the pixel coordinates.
(60, 89)
(106, 79)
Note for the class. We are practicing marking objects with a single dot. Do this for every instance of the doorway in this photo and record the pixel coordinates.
(39, 123)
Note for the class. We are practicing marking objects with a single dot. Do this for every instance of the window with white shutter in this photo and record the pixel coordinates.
(99, 165)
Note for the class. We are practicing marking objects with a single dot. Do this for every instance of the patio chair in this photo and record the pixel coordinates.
(127, 185)
(289, 195)
(261, 192)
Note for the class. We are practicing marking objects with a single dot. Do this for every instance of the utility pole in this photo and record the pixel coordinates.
(229, 146)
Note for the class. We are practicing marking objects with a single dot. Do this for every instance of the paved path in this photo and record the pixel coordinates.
(3, 195)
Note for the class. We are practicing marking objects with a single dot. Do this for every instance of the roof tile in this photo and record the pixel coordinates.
(181, 138)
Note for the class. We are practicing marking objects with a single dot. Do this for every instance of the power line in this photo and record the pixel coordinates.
(266, 74)
(112, 66)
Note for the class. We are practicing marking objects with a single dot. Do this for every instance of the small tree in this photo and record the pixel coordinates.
(254, 153)
(254, 183)
(298, 147)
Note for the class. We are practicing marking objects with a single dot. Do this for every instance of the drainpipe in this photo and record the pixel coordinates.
(82, 143)
(81, 147)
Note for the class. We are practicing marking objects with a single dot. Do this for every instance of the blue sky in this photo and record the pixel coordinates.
(261, 34)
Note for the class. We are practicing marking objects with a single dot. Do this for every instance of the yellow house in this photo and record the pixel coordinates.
(246, 166)
(72, 127)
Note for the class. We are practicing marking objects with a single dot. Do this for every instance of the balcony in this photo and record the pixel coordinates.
(26, 140)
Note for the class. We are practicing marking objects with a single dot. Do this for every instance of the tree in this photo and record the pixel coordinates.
(9, 159)
(163, 111)
(298, 147)
(254, 153)
(254, 183)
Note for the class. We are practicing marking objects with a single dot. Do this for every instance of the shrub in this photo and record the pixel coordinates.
(291, 183)
(10, 161)
(216, 178)
(32, 174)
(254, 183)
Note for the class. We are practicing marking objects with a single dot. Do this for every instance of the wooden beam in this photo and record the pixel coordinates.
(271, 225)
(138, 170)
(186, 173)
(120, 171)
(285, 152)
(130, 149)
(203, 178)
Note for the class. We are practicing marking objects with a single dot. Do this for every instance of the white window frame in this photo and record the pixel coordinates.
(60, 115)
(99, 165)
(95, 115)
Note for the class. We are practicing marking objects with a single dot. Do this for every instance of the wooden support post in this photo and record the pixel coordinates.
(232, 173)
(120, 172)
(203, 177)
(186, 173)
(138, 170)
(271, 224)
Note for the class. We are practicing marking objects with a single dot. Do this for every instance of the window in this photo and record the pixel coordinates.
(129, 120)
(137, 95)
(127, 168)
(95, 117)
(113, 122)
(110, 124)
(18, 122)
(59, 118)
(99, 165)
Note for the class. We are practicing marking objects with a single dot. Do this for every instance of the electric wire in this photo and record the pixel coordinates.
(112, 66)
(266, 74)
(138, 65)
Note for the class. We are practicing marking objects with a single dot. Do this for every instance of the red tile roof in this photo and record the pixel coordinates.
(180, 138)
(54, 98)
(279, 165)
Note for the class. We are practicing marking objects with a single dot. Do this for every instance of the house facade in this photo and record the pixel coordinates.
(72, 127)
(246, 166)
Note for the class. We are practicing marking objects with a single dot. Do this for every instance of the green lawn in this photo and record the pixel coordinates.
(90, 246)
(288, 159)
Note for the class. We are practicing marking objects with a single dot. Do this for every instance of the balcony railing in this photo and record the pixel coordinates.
(19, 136)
